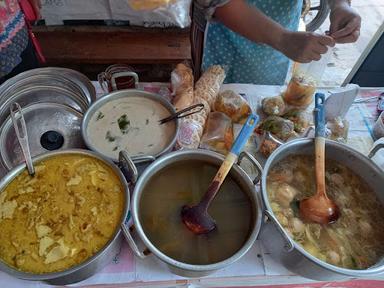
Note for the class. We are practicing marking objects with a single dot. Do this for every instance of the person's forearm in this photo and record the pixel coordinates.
(250, 22)
(333, 4)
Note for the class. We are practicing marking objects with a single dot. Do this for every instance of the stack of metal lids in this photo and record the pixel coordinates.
(53, 101)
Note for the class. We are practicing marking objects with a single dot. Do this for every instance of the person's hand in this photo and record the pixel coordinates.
(36, 5)
(345, 24)
(304, 47)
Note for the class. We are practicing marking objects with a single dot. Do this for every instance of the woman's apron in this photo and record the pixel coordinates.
(244, 60)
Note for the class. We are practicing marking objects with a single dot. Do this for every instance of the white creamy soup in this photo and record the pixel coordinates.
(130, 124)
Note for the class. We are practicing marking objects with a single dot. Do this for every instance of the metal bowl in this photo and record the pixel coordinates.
(124, 94)
(93, 264)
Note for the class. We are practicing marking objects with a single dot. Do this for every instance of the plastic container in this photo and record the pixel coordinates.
(378, 129)
(305, 79)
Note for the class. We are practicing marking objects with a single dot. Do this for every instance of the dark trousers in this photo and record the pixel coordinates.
(29, 61)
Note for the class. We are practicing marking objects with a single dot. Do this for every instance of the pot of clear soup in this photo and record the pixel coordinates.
(351, 247)
(181, 178)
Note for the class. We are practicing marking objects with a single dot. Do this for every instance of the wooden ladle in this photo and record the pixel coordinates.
(196, 218)
(319, 208)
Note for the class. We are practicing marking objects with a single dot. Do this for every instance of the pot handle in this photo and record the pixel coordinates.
(102, 79)
(254, 162)
(288, 246)
(375, 150)
(128, 167)
(131, 242)
(124, 74)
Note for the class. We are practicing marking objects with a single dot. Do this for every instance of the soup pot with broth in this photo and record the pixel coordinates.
(63, 224)
(314, 259)
(181, 178)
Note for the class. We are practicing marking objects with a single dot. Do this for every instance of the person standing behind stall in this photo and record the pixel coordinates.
(16, 49)
(255, 39)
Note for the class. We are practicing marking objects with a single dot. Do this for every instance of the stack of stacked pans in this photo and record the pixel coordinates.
(53, 102)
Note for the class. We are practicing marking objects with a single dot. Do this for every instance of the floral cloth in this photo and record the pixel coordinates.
(13, 35)
(244, 60)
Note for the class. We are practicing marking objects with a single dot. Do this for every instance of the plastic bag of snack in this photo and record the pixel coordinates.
(189, 134)
(152, 13)
(273, 106)
(301, 119)
(337, 129)
(218, 135)
(233, 105)
(208, 86)
(149, 4)
(279, 127)
(182, 86)
(304, 81)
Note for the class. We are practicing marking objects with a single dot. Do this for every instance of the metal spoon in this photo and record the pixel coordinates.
(22, 135)
(183, 113)
(319, 208)
(196, 218)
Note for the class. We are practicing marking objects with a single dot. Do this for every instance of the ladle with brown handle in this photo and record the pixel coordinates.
(196, 218)
(319, 208)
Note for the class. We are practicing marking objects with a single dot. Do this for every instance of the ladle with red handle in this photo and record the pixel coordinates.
(196, 218)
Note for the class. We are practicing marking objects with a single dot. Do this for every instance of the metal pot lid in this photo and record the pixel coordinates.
(39, 94)
(73, 80)
(50, 126)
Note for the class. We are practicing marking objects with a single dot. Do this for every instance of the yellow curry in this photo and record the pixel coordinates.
(60, 217)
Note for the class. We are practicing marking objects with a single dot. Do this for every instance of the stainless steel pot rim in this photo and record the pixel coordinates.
(83, 105)
(73, 76)
(181, 265)
(349, 272)
(123, 94)
(47, 276)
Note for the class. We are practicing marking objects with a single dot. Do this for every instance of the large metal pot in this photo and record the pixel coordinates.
(237, 173)
(281, 246)
(100, 259)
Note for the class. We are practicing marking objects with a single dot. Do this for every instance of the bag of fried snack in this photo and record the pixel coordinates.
(149, 4)
(208, 86)
(182, 86)
(189, 134)
(273, 106)
(218, 134)
(282, 128)
(232, 105)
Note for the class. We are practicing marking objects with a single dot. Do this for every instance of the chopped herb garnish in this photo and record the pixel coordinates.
(109, 137)
(114, 149)
(124, 123)
(146, 121)
(99, 116)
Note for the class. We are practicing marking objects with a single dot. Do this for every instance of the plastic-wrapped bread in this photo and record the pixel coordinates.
(232, 105)
(190, 134)
(208, 86)
(182, 86)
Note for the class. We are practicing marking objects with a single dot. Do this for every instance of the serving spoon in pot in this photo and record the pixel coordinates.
(319, 208)
(18, 122)
(196, 217)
